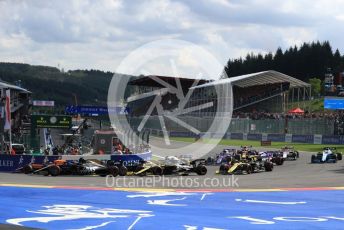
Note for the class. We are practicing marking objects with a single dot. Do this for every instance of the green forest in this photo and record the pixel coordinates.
(311, 60)
(49, 83)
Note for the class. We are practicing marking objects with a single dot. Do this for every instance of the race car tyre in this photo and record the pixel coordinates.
(122, 170)
(279, 161)
(313, 159)
(54, 170)
(103, 172)
(157, 171)
(82, 161)
(201, 170)
(74, 170)
(249, 169)
(268, 166)
(113, 170)
(224, 168)
(297, 154)
(253, 167)
(339, 156)
(110, 163)
(27, 169)
(259, 158)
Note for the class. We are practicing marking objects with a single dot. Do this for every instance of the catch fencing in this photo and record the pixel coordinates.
(245, 125)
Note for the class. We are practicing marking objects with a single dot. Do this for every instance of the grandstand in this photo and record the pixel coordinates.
(268, 91)
(144, 89)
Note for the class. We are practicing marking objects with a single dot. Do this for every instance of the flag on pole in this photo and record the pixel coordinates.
(8, 111)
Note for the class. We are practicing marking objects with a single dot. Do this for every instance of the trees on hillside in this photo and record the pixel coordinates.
(305, 62)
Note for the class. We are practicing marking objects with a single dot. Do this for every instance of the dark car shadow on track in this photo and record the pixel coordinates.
(337, 170)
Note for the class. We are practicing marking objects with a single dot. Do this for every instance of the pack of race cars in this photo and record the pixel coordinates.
(245, 160)
(169, 166)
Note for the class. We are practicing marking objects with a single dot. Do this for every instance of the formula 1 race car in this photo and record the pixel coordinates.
(252, 164)
(234, 168)
(329, 155)
(225, 156)
(174, 165)
(245, 151)
(169, 166)
(146, 168)
(289, 153)
(272, 156)
(63, 167)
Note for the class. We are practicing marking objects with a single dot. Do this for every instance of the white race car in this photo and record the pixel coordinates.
(329, 155)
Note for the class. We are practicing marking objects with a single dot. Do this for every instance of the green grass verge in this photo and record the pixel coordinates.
(297, 146)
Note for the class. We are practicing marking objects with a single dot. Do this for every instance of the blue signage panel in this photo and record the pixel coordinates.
(95, 110)
(237, 136)
(132, 160)
(334, 103)
(9, 163)
(254, 136)
(331, 139)
(276, 137)
(303, 138)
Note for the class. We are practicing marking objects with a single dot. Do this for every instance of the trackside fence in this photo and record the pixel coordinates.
(288, 138)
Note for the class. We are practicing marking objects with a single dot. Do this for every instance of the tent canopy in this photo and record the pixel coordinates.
(296, 110)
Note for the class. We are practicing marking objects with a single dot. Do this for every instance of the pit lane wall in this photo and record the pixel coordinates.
(9, 163)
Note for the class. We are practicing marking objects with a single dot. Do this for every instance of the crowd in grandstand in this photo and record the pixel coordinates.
(255, 93)
(266, 115)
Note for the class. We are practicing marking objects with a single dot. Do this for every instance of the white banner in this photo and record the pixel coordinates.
(288, 138)
(44, 103)
(317, 139)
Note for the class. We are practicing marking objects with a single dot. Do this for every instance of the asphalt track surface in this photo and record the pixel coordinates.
(292, 174)
(296, 195)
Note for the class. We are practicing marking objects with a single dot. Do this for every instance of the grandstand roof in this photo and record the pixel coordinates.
(153, 81)
(260, 78)
(5, 85)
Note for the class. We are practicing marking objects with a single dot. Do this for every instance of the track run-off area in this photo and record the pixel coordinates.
(58, 207)
(296, 195)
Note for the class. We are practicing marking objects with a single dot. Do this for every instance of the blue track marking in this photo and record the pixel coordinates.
(90, 209)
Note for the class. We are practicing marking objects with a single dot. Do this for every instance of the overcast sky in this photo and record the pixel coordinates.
(99, 34)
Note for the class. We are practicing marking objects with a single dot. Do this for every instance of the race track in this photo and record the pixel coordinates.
(50, 208)
(292, 174)
(296, 195)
